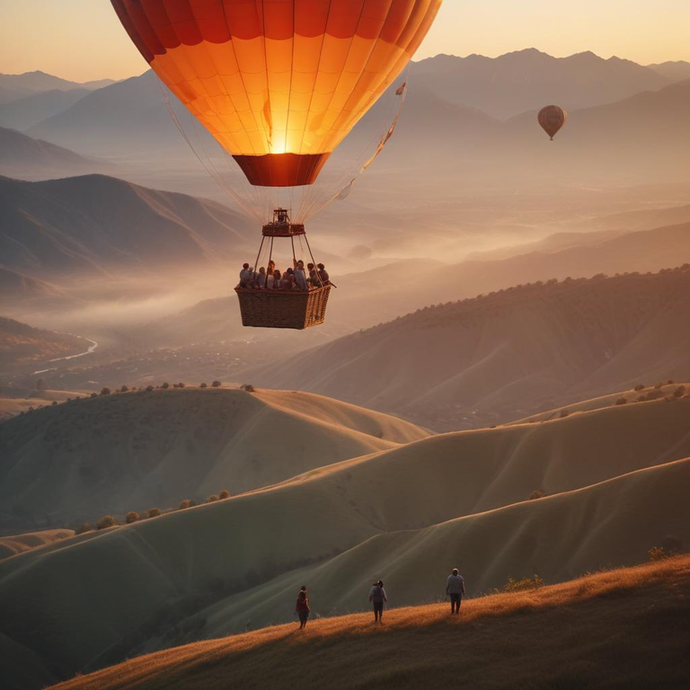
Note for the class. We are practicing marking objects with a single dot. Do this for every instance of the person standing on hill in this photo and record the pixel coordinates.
(455, 588)
(302, 608)
(378, 597)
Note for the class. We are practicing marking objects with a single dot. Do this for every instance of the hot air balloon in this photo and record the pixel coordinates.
(279, 84)
(552, 118)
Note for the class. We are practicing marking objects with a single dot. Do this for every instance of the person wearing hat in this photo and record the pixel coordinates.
(455, 588)
(378, 597)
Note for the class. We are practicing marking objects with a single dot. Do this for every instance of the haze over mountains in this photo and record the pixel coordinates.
(25, 157)
(16, 86)
(97, 224)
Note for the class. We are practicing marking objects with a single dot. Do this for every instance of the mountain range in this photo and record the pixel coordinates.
(507, 354)
(16, 86)
(523, 80)
(22, 156)
(97, 224)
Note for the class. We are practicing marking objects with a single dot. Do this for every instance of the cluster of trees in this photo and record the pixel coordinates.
(133, 516)
(656, 393)
(149, 388)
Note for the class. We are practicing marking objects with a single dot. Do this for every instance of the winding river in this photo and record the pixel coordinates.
(91, 348)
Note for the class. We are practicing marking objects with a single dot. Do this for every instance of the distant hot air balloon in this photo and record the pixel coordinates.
(552, 118)
(278, 83)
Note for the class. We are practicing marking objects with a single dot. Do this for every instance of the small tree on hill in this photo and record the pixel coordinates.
(564, 414)
(106, 521)
(679, 392)
(165, 385)
(639, 387)
(149, 388)
(105, 390)
(203, 385)
(216, 384)
(186, 503)
(132, 516)
(153, 512)
(224, 494)
(536, 494)
(621, 401)
(180, 385)
(523, 585)
(83, 528)
(247, 387)
(94, 395)
(212, 498)
(123, 389)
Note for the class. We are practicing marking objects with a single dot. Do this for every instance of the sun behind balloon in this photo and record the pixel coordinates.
(278, 83)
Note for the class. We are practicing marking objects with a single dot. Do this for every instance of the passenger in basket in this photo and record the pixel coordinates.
(271, 280)
(300, 276)
(277, 280)
(323, 274)
(260, 282)
(246, 276)
(313, 275)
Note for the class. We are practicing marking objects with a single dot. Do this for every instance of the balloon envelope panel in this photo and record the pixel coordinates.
(279, 83)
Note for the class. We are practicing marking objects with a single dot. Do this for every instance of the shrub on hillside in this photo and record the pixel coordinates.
(212, 498)
(639, 387)
(123, 389)
(105, 390)
(180, 385)
(216, 384)
(203, 385)
(679, 392)
(94, 395)
(153, 512)
(247, 387)
(224, 494)
(132, 516)
(537, 493)
(564, 414)
(106, 521)
(186, 503)
(523, 585)
(54, 403)
(149, 389)
(659, 385)
(83, 528)
(165, 385)
(621, 401)
(658, 553)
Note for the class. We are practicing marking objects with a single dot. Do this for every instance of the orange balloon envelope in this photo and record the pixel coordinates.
(278, 83)
(552, 118)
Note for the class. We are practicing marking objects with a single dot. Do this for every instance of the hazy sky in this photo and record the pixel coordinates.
(83, 40)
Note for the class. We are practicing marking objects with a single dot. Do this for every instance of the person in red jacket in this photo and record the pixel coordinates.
(302, 608)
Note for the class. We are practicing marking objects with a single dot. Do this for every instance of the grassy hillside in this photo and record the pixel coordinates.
(508, 354)
(222, 567)
(134, 451)
(592, 632)
(19, 543)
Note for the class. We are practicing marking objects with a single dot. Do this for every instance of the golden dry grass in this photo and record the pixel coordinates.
(618, 629)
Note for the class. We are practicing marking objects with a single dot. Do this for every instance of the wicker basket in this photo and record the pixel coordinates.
(283, 309)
